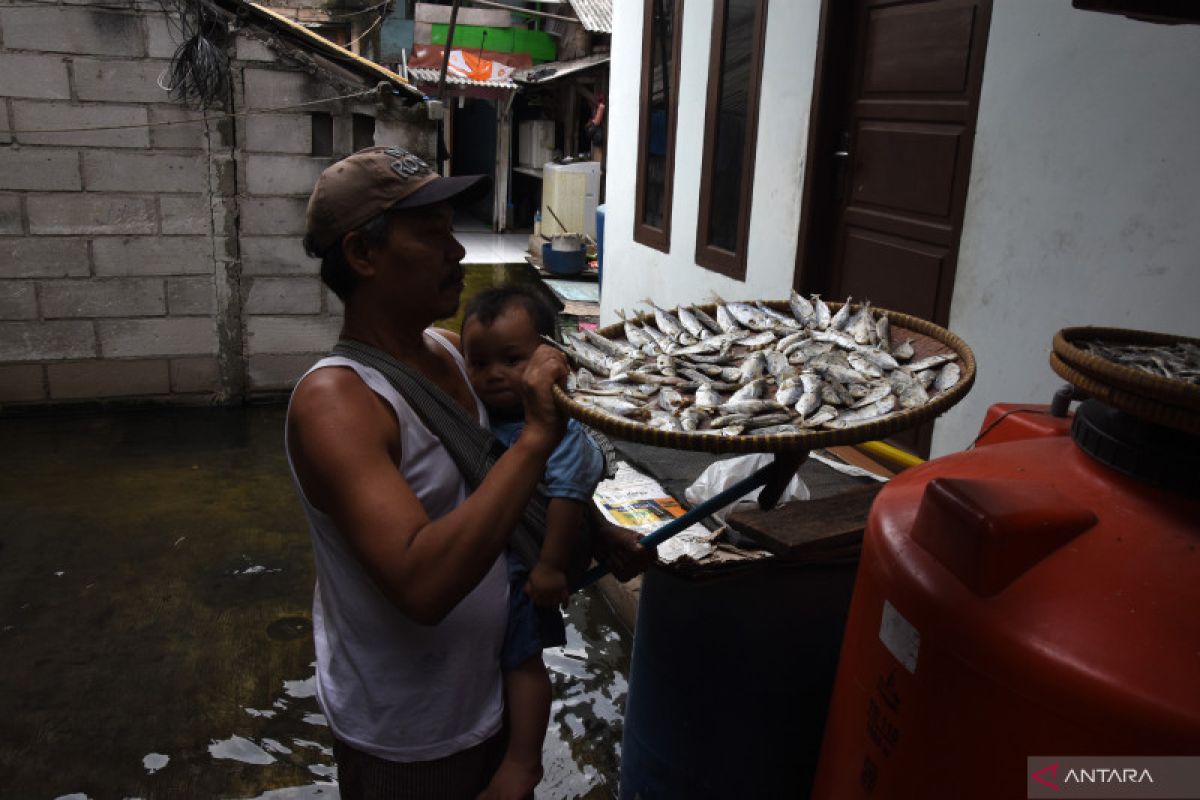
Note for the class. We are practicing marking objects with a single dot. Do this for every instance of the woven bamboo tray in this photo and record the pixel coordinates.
(928, 339)
(1173, 403)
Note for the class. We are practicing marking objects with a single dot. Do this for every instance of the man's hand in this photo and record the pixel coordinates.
(544, 423)
(547, 586)
(618, 549)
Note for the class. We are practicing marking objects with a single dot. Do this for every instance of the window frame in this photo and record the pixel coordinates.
(731, 263)
(658, 238)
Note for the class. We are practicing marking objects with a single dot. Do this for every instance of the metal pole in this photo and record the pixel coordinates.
(441, 89)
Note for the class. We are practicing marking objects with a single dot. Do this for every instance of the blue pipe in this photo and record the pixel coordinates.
(708, 507)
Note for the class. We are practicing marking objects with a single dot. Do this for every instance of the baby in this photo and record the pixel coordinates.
(501, 329)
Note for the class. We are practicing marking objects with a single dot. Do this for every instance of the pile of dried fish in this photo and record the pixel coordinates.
(755, 370)
(1180, 361)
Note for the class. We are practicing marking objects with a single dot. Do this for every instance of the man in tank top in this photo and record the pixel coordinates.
(410, 605)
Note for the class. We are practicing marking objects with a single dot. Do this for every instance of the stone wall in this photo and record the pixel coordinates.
(158, 261)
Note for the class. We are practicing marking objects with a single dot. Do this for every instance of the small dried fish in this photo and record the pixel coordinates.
(824, 414)
(904, 351)
(808, 403)
(746, 314)
(883, 333)
(935, 360)
(666, 322)
(947, 377)
(618, 406)
(839, 320)
(691, 324)
(751, 391)
(802, 309)
(823, 313)
(749, 406)
(754, 367)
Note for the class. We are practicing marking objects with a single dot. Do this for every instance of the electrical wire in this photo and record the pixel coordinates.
(206, 118)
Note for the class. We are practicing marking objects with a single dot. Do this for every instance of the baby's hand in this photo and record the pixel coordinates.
(547, 586)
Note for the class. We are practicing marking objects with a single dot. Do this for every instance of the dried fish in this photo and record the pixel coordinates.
(839, 320)
(802, 309)
(947, 377)
(754, 369)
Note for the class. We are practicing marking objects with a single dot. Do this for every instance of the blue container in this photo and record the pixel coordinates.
(600, 243)
(564, 263)
(730, 681)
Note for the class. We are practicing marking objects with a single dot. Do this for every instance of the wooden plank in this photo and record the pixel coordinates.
(814, 530)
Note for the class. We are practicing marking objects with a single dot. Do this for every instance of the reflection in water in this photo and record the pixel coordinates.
(159, 662)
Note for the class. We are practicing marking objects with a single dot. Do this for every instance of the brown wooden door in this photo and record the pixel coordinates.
(891, 156)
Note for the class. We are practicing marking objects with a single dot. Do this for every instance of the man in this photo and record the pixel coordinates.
(410, 606)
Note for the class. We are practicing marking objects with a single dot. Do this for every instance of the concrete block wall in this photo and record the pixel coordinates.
(107, 237)
(149, 260)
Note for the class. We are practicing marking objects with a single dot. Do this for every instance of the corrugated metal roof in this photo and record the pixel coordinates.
(541, 73)
(596, 15)
(428, 75)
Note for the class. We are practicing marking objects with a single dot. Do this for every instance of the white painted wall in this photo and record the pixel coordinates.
(632, 271)
(1083, 204)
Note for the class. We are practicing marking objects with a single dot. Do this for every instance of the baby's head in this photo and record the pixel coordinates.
(501, 329)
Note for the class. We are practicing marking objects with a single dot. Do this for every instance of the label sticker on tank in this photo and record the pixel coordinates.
(899, 636)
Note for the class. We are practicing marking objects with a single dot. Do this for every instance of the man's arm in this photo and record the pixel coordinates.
(339, 437)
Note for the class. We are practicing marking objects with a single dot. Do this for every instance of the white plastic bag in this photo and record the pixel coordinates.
(720, 475)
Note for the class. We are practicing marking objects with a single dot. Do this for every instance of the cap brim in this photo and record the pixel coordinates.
(455, 190)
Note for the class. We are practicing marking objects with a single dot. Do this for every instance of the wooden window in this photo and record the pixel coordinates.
(656, 127)
(322, 134)
(730, 133)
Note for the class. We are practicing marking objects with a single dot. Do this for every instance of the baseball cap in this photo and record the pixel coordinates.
(354, 190)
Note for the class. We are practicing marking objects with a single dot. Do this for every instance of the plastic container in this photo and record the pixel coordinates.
(560, 262)
(1019, 599)
(730, 680)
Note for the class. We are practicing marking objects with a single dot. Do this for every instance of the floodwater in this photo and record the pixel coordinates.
(155, 621)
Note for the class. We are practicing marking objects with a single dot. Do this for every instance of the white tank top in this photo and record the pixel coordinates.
(388, 685)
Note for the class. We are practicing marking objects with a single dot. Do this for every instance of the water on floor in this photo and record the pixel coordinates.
(155, 594)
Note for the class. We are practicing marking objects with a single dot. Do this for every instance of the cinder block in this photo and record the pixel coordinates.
(188, 133)
(107, 378)
(284, 296)
(72, 30)
(120, 81)
(190, 296)
(190, 375)
(277, 255)
(279, 133)
(10, 215)
(283, 174)
(156, 255)
(27, 75)
(51, 213)
(162, 34)
(29, 115)
(333, 303)
(113, 297)
(170, 336)
(249, 49)
(17, 300)
(39, 169)
(46, 341)
(43, 257)
(279, 216)
(272, 88)
(291, 334)
(21, 383)
(279, 372)
(143, 172)
(430, 13)
(186, 214)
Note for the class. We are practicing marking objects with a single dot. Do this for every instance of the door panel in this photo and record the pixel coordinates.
(910, 280)
(906, 166)
(918, 49)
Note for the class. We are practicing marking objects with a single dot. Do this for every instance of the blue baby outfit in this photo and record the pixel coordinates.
(574, 469)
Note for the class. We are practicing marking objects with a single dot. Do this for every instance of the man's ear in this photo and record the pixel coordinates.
(358, 254)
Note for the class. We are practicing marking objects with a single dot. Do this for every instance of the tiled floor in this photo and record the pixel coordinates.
(493, 248)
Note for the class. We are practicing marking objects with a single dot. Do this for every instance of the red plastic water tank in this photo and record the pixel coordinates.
(1018, 599)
